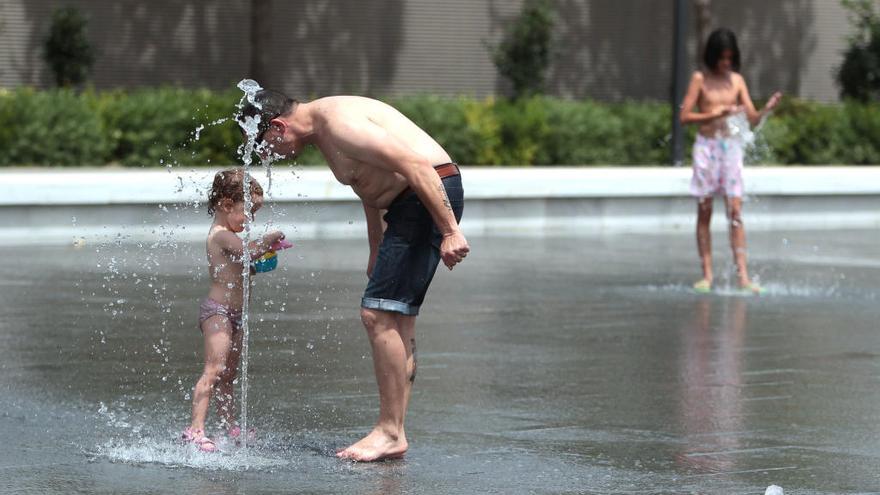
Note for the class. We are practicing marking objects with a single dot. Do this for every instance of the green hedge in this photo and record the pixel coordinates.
(156, 127)
(149, 127)
(139, 128)
(52, 128)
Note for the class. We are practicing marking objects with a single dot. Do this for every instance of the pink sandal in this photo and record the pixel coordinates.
(235, 432)
(200, 440)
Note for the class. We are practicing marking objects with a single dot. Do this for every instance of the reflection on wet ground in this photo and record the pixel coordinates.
(569, 365)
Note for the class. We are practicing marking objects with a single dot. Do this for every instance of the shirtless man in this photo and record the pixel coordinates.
(718, 160)
(395, 167)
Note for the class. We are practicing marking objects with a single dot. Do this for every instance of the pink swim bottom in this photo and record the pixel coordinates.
(210, 307)
(718, 164)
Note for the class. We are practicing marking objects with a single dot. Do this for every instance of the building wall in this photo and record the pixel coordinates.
(778, 41)
(831, 29)
(605, 49)
(138, 43)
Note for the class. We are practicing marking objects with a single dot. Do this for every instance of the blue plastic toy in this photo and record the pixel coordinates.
(269, 261)
(266, 262)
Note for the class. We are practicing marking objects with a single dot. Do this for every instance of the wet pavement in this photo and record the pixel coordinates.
(551, 365)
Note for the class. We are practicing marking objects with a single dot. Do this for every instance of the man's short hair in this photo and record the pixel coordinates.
(268, 104)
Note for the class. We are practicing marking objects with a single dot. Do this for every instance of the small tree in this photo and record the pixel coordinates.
(524, 54)
(859, 75)
(67, 50)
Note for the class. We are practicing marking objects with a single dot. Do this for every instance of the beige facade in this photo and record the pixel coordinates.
(604, 49)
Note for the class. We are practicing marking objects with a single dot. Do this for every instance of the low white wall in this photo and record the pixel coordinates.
(58, 205)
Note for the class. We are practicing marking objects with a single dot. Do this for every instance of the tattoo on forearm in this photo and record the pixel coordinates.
(442, 191)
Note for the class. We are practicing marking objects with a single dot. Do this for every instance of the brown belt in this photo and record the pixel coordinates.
(445, 170)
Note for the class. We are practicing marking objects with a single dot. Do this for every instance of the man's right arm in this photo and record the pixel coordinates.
(370, 143)
(375, 230)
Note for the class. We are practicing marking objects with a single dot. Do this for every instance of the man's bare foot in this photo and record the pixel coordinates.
(377, 446)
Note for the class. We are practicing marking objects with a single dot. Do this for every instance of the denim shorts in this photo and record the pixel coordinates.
(409, 253)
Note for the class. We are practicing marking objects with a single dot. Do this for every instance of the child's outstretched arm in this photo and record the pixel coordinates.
(688, 115)
(233, 244)
(264, 244)
(745, 100)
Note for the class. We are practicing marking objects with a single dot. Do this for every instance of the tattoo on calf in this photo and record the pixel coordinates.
(412, 377)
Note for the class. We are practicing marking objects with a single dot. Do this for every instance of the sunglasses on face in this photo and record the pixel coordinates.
(264, 129)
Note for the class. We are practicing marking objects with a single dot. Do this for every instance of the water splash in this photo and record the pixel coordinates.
(267, 162)
(793, 289)
(740, 129)
(123, 278)
(250, 125)
(250, 88)
(750, 139)
(773, 490)
(171, 453)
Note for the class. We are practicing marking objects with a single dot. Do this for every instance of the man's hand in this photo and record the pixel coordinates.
(453, 249)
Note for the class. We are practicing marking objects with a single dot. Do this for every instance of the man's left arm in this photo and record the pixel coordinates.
(372, 144)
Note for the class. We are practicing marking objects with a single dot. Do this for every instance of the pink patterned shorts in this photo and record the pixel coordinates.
(210, 307)
(718, 165)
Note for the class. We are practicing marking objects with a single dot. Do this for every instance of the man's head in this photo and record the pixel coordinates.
(273, 132)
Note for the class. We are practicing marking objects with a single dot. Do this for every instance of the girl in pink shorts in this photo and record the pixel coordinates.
(717, 92)
(718, 165)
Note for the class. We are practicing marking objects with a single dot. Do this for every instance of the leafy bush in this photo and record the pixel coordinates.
(807, 133)
(153, 127)
(523, 130)
(863, 120)
(67, 50)
(159, 126)
(51, 128)
(587, 123)
(480, 119)
(524, 55)
(859, 75)
(444, 118)
(645, 136)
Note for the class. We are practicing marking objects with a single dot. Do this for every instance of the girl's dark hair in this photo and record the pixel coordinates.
(228, 184)
(719, 41)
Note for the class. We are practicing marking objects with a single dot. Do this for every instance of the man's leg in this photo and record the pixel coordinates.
(738, 238)
(392, 355)
(704, 236)
(407, 329)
